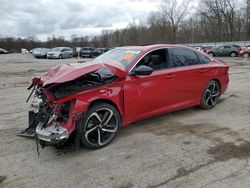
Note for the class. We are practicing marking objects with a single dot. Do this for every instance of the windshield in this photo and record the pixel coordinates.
(124, 56)
(56, 50)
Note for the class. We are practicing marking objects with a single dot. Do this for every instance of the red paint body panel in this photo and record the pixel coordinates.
(242, 52)
(140, 97)
(67, 72)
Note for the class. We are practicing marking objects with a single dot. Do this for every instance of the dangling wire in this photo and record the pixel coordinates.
(37, 146)
(34, 87)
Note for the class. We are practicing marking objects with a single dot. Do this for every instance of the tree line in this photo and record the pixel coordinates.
(175, 21)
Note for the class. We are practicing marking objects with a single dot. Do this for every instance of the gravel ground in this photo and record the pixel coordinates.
(188, 148)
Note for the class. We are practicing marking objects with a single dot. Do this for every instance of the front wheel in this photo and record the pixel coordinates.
(100, 125)
(210, 95)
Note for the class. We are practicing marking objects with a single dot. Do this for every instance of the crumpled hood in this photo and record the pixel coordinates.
(67, 72)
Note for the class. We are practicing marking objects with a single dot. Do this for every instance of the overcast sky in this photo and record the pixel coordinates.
(43, 18)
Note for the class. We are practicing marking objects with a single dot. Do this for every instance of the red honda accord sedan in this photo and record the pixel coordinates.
(124, 85)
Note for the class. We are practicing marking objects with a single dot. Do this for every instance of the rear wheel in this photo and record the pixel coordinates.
(210, 95)
(233, 54)
(211, 53)
(246, 55)
(100, 125)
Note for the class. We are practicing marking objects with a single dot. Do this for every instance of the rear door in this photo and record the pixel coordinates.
(190, 76)
(227, 50)
(64, 53)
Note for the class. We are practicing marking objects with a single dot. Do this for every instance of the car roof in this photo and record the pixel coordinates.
(62, 47)
(154, 46)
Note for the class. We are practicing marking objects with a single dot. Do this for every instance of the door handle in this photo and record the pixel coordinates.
(203, 70)
(169, 76)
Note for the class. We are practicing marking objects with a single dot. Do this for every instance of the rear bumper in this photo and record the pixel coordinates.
(53, 134)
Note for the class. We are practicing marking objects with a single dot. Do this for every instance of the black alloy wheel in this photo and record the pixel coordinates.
(210, 95)
(100, 125)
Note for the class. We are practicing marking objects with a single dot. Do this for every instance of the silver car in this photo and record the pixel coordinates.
(60, 53)
(225, 50)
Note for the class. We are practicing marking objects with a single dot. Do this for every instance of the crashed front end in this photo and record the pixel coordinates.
(55, 108)
(52, 122)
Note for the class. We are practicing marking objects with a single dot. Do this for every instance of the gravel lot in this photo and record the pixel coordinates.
(188, 148)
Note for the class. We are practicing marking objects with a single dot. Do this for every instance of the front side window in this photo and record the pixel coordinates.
(56, 50)
(156, 59)
(124, 56)
(183, 57)
(220, 48)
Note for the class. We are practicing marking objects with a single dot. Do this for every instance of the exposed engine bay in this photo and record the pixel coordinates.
(98, 78)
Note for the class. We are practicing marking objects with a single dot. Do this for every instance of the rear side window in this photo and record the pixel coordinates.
(183, 57)
(204, 59)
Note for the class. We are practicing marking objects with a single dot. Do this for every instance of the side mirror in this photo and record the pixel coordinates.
(143, 70)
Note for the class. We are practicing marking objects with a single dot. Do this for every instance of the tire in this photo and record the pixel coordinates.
(246, 55)
(233, 54)
(210, 95)
(60, 56)
(99, 126)
(211, 53)
(91, 56)
(70, 56)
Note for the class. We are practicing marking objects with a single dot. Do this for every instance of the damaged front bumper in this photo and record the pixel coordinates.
(51, 135)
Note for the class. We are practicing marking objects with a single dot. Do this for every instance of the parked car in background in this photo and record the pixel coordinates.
(34, 50)
(3, 51)
(60, 53)
(120, 87)
(41, 53)
(89, 52)
(225, 50)
(103, 50)
(100, 50)
(207, 48)
(107, 49)
(245, 53)
(199, 48)
(74, 52)
(24, 51)
(245, 47)
(237, 46)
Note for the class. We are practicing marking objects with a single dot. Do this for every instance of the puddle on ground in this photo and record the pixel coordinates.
(163, 127)
(229, 150)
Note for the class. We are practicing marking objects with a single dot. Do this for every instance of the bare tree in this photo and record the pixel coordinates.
(174, 11)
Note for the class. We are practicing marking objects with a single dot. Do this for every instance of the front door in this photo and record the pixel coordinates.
(145, 96)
